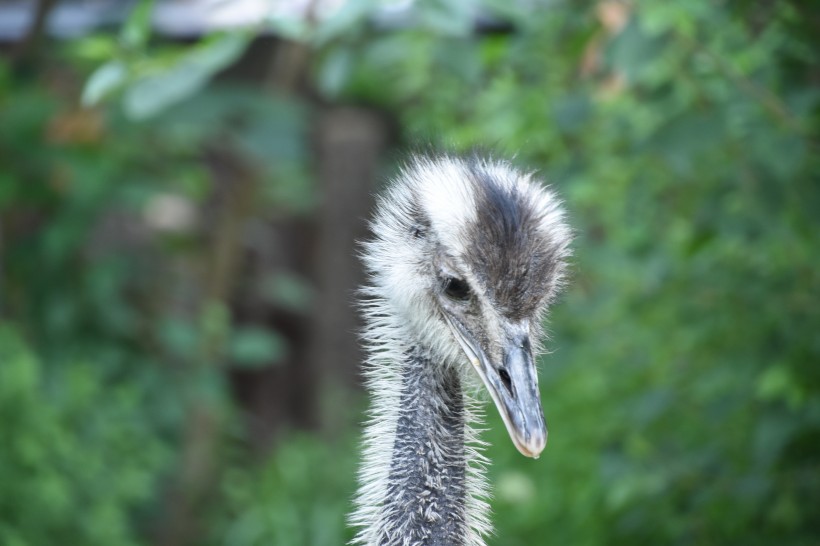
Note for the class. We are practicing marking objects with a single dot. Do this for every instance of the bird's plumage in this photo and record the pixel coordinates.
(464, 259)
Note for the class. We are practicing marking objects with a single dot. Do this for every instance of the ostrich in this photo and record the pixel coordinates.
(465, 257)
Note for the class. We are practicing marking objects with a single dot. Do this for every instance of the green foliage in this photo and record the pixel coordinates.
(254, 347)
(78, 459)
(176, 77)
(300, 496)
(101, 281)
(151, 81)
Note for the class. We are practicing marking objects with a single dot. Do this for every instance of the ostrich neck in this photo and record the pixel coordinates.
(425, 497)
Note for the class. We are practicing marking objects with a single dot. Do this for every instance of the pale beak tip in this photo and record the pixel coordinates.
(533, 446)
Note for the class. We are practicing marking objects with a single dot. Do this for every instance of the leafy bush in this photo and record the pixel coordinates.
(79, 464)
(299, 496)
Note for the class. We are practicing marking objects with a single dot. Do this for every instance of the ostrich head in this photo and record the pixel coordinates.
(467, 255)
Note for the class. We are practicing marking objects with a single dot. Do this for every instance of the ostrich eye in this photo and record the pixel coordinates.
(456, 289)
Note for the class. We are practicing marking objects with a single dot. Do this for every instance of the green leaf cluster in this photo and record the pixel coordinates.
(106, 343)
(78, 459)
(300, 495)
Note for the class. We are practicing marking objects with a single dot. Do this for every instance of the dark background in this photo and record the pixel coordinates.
(181, 187)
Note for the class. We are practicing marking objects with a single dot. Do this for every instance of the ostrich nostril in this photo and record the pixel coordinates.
(505, 378)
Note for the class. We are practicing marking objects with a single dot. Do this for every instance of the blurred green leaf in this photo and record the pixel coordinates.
(334, 71)
(344, 20)
(180, 337)
(632, 50)
(288, 291)
(107, 79)
(256, 348)
(151, 92)
(137, 28)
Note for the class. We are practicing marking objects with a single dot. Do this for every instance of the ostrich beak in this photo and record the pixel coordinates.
(513, 385)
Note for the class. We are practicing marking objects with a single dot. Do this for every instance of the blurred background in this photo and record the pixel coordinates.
(182, 183)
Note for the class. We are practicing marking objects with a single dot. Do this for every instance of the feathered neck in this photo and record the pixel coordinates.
(421, 480)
